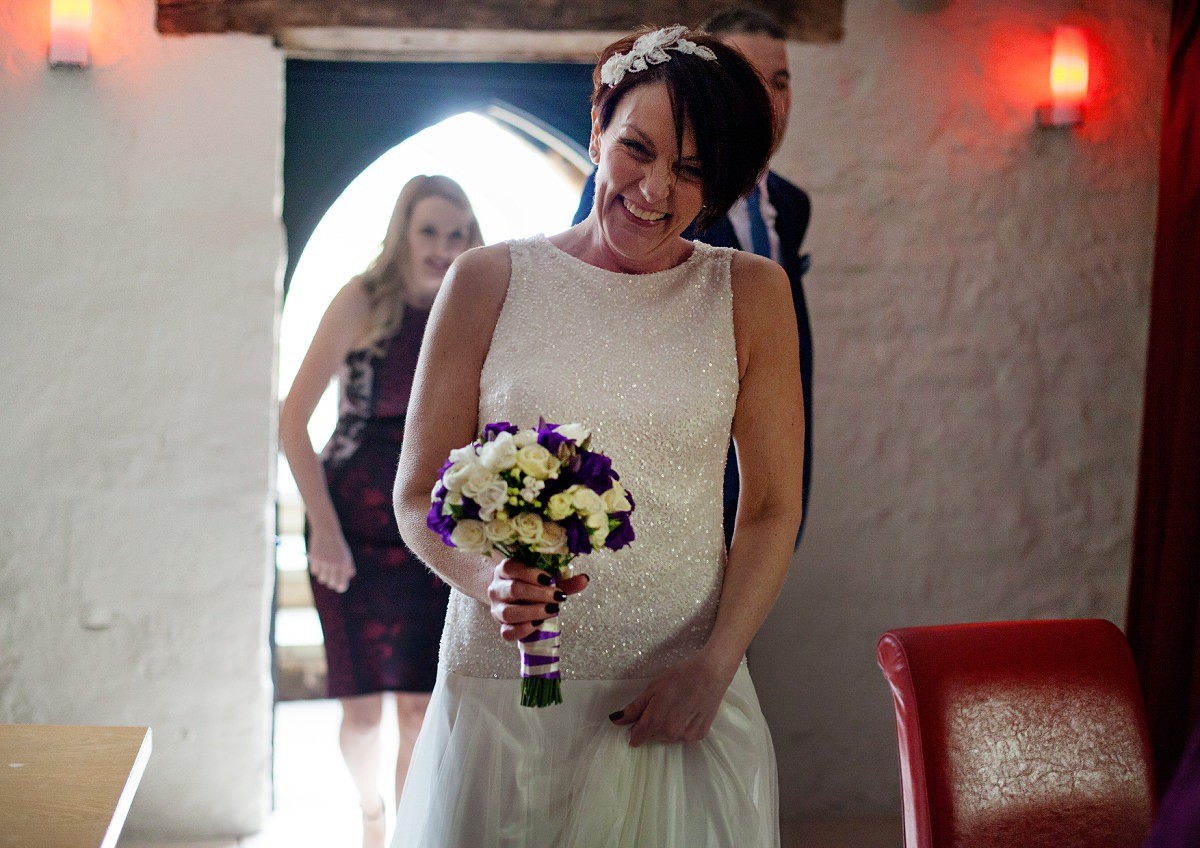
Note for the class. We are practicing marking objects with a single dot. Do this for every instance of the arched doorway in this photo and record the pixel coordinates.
(523, 175)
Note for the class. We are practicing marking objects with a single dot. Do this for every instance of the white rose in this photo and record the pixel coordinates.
(499, 531)
(596, 521)
(464, 454)
(615, 500)
(468, 535)
(575, 432)
(524, 438)
(454, 476)
(554, 539)
(586, 501)
(597, 537)
(536, 461)
(528, 527)
(478, 478)
(560, 506)
(500, 454)
(491, 498)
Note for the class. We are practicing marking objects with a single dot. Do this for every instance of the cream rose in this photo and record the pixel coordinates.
(615, 500)
(528, 527)
(499, 531)
(585, 500)
(559, 506)
(524, 438)
(468, 535)
(554, 539)
(536, 461)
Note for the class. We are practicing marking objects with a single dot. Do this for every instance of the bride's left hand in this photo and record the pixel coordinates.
(679, 705)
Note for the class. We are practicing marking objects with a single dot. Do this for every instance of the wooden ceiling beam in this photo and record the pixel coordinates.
(348, 20)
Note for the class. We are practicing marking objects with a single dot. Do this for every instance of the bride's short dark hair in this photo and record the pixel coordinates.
(724, 101)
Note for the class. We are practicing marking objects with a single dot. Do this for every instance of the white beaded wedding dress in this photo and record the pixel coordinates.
(647, 362)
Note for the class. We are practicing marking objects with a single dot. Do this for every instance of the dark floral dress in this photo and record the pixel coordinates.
(382, 633)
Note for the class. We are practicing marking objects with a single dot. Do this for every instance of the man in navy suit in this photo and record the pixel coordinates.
(772, 223)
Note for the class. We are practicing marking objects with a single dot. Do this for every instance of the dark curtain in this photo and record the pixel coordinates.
(1164, 594)
(341, 116)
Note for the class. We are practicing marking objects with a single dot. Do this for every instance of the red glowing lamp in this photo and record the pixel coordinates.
(1068, 79)
(70, 23)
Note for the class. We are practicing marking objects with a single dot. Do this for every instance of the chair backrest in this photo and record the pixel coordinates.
(1021, 733)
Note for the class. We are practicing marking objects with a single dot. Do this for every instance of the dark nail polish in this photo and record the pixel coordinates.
(616, 716)
(538, 623)
(552, 608)
(586, 577)
(545, 579)
(560, 596)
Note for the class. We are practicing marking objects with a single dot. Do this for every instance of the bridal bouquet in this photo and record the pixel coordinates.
(539, 496)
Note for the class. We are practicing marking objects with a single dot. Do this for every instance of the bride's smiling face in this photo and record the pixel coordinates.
(648, 186)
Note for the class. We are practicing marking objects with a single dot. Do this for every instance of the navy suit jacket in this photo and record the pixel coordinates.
(792, 212)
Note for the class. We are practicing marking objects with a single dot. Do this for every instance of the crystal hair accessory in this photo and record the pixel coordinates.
(651, 49)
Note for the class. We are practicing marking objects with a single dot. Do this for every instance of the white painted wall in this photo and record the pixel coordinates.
(979, 296)
(139, 246)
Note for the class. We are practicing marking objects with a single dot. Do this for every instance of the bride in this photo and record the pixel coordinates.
(665, 349)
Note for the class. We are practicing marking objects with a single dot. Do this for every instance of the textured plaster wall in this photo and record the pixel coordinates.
(139, 247)
(979, 297)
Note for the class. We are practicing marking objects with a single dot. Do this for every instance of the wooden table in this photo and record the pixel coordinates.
(68, 787)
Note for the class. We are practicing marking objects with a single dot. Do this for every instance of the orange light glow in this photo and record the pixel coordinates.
(1069, 66)
(70, 21)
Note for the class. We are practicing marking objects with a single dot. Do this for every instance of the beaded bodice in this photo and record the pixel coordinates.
(648, 363)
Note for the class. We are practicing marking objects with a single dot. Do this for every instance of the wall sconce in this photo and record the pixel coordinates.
(1068, 79)
(70, 23)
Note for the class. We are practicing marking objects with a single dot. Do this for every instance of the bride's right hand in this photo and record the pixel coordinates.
(330, 560)
(522, 596)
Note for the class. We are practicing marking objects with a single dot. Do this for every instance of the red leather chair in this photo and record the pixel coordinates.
(1021, 734)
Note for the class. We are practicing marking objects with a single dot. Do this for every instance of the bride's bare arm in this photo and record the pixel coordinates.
(768, 429)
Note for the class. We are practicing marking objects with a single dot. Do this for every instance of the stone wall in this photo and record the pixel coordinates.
(139, 256)
(979, 300)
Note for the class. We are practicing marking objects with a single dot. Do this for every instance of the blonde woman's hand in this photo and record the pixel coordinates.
(330, 560)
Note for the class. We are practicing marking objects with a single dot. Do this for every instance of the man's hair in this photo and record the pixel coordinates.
(742, 19)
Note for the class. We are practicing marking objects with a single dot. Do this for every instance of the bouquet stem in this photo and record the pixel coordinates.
(540, 685)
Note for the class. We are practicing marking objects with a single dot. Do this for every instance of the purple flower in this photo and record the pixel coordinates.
(470, 509)
(491, 431)
(556, 485)
(577, 535)
(549, 439)
(595, 471)
(443, 525)
(622, 534)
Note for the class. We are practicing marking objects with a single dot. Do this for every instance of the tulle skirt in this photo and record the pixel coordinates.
(489, 773)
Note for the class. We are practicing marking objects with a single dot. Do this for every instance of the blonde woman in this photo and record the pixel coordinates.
(381, 610)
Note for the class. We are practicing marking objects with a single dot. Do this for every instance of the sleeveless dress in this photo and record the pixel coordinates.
(382, 633)
(648, 363)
